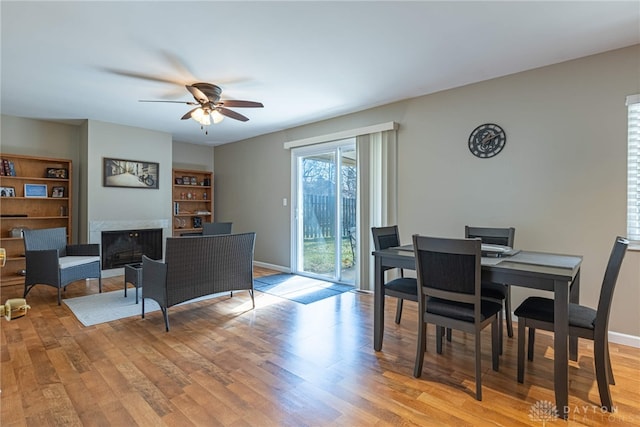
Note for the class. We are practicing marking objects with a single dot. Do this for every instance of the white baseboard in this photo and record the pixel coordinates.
(624, 339)
(272, 266)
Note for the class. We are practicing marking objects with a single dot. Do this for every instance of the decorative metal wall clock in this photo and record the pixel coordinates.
(487, 140)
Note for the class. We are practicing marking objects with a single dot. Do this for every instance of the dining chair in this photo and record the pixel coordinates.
(216, 228)
(497, 292)
(584, 322)
(401, 287)
(449, 277)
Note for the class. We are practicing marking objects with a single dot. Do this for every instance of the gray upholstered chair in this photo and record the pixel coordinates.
(50, 261)
(449, 273)
(402, 287)
(584, 322)
(216, 228)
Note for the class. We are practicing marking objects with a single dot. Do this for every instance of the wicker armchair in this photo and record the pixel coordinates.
(50, 261)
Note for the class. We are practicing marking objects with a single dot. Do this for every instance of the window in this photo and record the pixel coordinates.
(633, 168)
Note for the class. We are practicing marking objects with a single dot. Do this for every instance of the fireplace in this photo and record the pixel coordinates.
(121, 247)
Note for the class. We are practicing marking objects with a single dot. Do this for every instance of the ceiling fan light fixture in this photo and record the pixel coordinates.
(216, 116)
(201, 116)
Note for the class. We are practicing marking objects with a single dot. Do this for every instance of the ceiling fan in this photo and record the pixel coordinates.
(209, 105)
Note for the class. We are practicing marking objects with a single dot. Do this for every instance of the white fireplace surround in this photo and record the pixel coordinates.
(97, 227)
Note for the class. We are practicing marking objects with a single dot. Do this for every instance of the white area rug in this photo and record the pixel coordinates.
(108, 306)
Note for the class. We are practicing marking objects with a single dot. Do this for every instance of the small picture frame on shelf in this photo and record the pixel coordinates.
(58, 173)
(179, 181)
(7, 192)
(194, 180)
(197, 222)
(35, 190)
(57, 192)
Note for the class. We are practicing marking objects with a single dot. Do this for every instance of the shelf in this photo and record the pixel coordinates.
(41, 212)
(187, 207)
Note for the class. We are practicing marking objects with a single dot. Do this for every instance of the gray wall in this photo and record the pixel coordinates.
(561, 180)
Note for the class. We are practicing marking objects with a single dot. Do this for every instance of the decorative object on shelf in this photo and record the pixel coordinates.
(194, 180)
(130, 173)
(57, 173)
(14, 308)
(57, 192)
(35, 190)
(16, 232)
(7, 192)
(179, 181)
(3, 257)
(207, 182)
(8, 167)
(487, 140)
(197, 222)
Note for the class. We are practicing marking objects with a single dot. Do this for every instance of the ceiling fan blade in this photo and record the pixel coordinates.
(141, 76)
(188, 115)
(241, 104)
(174, 102)
(197, 94)
(232, 114)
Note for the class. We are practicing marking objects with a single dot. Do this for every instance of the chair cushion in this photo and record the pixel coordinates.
(461, 311)
(72, 261)
(539, 308)
(496, 291)
(406, 285)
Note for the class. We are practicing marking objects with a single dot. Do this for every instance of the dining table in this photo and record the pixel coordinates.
(557, 273)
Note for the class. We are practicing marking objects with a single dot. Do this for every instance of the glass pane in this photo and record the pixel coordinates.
(317, 237)
(348, 184)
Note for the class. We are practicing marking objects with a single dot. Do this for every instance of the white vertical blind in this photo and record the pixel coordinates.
(633, 168)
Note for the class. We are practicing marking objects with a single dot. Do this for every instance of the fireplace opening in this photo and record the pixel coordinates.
(122, 247)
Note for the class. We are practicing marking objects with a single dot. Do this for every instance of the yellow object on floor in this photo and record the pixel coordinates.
(14, 308)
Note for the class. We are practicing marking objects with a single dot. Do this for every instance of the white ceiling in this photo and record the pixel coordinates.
(305, 61)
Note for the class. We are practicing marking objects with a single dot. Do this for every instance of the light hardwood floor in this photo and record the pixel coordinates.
(282, 364)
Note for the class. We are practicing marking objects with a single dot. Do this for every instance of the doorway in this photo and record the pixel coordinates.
(324, 215)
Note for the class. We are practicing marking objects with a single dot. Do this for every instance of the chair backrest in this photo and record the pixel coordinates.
(385, 237)
(609, 283)
(492, 235)
(46, 238)
(216, 228)
(449, 268)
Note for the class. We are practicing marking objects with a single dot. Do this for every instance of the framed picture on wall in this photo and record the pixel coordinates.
(130, 173)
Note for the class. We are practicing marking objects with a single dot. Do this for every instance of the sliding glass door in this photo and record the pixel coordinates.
(324, 220)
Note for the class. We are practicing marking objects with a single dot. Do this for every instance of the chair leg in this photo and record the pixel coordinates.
(449, 333)
(100, 284)
(399, 310)
(59, 296)
(478, 367)
(501, 327)
(600, 355)
(439, 332)
(496, 341)
(421, 349)
(532, 341)
(521, 339)
(612, 380)
(507, 312)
